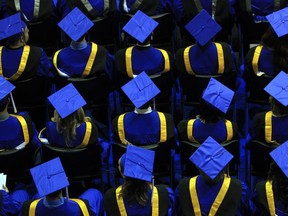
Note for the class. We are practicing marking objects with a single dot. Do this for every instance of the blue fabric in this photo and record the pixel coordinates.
(279, 129)
(265, 63)
(202, 131)
(11, 59)
(57, 139)
(72, 61)
(95, 199)
(148, 59)
(11, 204)
(204, 60)
(142, 129)
(262, 7)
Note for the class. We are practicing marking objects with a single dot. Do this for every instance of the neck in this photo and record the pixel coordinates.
(143, 45)
(16, 45)
(78, 45)
(143, 111)
(4, 115)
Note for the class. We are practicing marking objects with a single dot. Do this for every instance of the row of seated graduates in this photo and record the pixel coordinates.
(248, 17)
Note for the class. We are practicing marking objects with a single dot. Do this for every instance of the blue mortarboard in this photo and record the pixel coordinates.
(75, 24)
(49, 177)
(140, 26)
(202, 27)
(280, 155)
(211, 157)
(11, 27)
(279, 21)
(140, 89)
(5, 87)
(67, 100)
(138, 163)
(278, 88)
(218, 95)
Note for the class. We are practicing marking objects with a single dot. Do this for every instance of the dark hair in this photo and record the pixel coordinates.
(209, 113)
(277, 108)
(134, 189)
(54, 194)
(3, 103)
(214, 181)
(279, 184)
(280, 49)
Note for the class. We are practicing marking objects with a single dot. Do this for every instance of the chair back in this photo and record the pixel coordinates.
(78, 163)
(187, 148)
(259, 158)
(94, 90)
(16, 164)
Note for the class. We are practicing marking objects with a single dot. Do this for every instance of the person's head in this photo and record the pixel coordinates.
(214, 181)
(209, 113)
(67, 126)
(269, 38)
(4, 104)
(21, 38)
(136, 184)
(55, 195)
(277, 108)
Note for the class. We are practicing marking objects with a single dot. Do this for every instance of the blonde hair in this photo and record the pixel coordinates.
(67, 126)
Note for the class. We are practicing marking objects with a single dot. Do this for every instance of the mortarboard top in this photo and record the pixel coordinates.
(5, 87)
(278, 88)
(211, 157)
(75, 24)
(218, 95)
(202, 27)
(140, 89)
(138, 163)
(140, 26)
(279, 21)
(49, 177)
(11, 27)
(280, 155)
(67, 100)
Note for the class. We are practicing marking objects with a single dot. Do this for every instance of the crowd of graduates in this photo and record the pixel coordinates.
(145, 77)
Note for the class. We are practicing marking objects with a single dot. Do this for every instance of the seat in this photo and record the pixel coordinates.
(188, 148)
(259, 158)
(16, 165)
(163, 35)
(45, 34)
(80, 164)
(105, 32)
(31, 95)
(163, 163)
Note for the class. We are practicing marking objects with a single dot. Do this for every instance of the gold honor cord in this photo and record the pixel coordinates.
(24, 128)
(270, 198)
(255, 59)
(229, 129)
(190, 136)
(268, 126)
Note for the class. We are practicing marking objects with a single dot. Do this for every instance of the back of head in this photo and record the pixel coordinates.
(277, 107)
(209, 113)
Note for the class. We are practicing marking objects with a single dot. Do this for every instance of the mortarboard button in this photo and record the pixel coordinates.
(49, 177)
(140, 89)
(278, 88)
(138, 163)
(140, 26)
(279, 21)
(67, 100)
(218, 95)
(280, 155)
(211, 157)
(75, 24)
(202, 27)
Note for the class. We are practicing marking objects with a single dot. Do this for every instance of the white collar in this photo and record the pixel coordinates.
(143, 111)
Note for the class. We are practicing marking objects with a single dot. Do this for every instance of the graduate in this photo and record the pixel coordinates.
(211, 121)
(17, 131)
(19, 61)
(205, 57)
(70, 127)
(270, 197)
(213, 192)
(50, 180)
(270, 126)
(144, 125)
(81, 58)
(138, 195)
